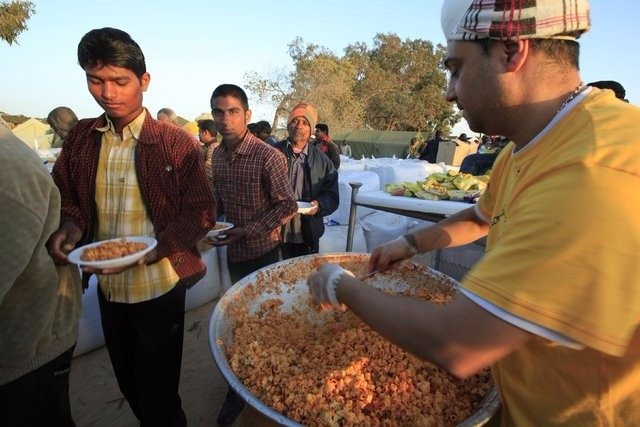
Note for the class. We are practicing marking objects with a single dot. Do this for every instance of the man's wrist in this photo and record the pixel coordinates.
(332, 283)
(412, 242)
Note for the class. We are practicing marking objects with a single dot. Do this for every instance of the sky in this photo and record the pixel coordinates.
(192, 46)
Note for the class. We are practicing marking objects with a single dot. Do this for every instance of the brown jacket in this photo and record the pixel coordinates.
(172, 180)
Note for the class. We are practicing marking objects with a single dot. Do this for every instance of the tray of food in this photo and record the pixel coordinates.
(113, 253)
(297, 365)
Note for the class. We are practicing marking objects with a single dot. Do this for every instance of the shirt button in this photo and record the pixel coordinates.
(168, 168)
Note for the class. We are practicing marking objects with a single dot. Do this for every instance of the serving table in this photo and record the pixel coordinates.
(428, 210)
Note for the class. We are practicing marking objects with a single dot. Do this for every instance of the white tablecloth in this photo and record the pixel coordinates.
(382, 199)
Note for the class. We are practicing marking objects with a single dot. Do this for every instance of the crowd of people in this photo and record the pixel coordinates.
(557, 322)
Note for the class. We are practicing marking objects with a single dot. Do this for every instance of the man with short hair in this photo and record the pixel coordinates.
(167, 115)
(326, 145)
(251, 189)
(126, 174)
(208, 135)
(314, 180)
(61, 120)
(558, 328)
(263, 131)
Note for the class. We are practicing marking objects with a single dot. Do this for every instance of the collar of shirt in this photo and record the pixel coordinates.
(304, 152)
(244, 148)
(132, 130)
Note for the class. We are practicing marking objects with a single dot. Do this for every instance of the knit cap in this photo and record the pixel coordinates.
(307, 111)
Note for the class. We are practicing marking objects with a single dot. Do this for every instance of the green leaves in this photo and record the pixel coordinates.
(13, 19)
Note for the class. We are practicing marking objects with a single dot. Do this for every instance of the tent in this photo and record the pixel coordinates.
(203, 116)
(376, 143)
(34, 133)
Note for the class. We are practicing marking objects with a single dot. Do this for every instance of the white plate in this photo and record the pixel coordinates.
(219, 228)
(74, 256)
(304, 207)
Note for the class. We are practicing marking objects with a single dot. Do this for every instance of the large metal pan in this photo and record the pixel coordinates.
(252, 290)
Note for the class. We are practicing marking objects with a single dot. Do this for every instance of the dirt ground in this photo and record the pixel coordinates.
(97, 401)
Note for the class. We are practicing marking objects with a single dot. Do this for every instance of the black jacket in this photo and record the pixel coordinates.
(320, 183)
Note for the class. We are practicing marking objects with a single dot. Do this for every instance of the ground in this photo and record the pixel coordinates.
(97, 401)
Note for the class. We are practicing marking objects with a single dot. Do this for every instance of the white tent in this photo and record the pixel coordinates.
(34, 133)
(203, 116)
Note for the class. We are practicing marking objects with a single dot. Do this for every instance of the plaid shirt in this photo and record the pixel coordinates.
(252, 188)
(121, 212)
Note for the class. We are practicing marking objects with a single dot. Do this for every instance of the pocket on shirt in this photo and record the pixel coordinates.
(245, 194)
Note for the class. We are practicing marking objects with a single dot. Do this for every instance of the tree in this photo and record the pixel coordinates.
(13, 19)
(326, 81)
(396, 85)
(274, 88)
(401, 83)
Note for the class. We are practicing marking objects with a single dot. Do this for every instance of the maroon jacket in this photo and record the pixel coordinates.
(173, 184)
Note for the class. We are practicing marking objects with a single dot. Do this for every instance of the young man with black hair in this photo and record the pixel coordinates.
(252, 190)
(126, 174)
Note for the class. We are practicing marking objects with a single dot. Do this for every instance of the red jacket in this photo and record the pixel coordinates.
(173, 185)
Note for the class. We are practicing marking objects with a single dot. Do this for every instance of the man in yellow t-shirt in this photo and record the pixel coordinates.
(554, 304)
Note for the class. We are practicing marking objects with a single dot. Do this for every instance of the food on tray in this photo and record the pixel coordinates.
(323, 368)
(443, 186)
(112, 249)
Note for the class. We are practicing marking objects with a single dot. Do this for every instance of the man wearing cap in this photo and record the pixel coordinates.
(554, 305)
(313, 178)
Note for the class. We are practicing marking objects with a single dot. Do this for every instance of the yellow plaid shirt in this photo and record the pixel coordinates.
(121, 213)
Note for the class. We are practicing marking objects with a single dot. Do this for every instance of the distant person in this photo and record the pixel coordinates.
(61, 120)
(430, 150)
(326, 145)
(263, 131)
(345, 149)
(613, 85)
(39, 304)
(464, 138)
(253, 129)
(126, 174)
(412, 151)
(486, 146)
(252, 190)
(167, 115)
(314, 180)
(208, 135)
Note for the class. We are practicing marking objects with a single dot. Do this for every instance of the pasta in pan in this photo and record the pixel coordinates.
(337, 370)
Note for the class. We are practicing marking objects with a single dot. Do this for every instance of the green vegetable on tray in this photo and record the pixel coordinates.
(442, 186)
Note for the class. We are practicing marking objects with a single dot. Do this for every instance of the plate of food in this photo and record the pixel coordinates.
(304, 207)
(113, 253)
(219, 228)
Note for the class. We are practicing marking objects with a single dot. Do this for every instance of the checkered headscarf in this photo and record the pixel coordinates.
(514, 19)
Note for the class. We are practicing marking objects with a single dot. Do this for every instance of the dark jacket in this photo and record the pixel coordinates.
(173, 185)
(430, 150)
(320, 183)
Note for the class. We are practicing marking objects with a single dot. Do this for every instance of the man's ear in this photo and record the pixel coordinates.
(144, 81)
(516, 52)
